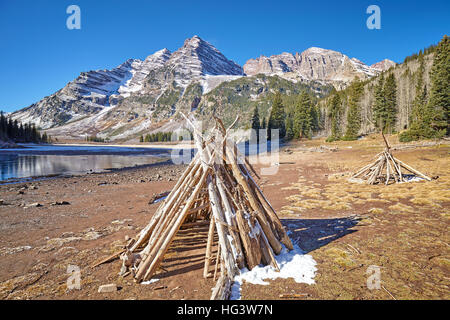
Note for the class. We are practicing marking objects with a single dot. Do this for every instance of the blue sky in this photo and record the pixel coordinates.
(39, 55)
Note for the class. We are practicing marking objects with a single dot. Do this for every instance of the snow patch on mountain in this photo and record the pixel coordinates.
(210, 82)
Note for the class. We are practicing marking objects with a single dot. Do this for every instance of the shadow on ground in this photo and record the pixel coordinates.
(187, 250)
(311, 234)
(186, 253)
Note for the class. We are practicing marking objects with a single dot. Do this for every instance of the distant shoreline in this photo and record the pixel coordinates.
(145, 146)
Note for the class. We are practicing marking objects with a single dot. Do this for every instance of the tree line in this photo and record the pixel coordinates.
(164, 137)
(295, 121)
(430, 113)
(15, 131)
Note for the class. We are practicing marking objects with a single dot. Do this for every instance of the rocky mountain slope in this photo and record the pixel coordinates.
(94, 93)
(144, 95)
(326, 66)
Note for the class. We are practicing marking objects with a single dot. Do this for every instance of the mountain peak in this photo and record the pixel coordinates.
(312, 64)
(198, 57)
(195, 41)
(162, 52)
(383, 65)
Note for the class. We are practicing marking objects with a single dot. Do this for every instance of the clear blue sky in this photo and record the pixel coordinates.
(39, 55)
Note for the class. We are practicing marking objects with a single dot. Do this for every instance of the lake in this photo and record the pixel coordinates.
(49, 160)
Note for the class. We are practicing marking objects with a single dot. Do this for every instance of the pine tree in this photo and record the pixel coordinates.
(390, 92)
(141, 139)
(440, 88)
(354, 113)
(255, 125)
(420, 115)
(277, 116)
(385, 106)
(303, 116)
(264, 123)
(255, 119)
(290, 134)
(429, 119)
(335, 112)
(379, 102)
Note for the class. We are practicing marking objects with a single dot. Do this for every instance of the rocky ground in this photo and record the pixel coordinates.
(48, 225)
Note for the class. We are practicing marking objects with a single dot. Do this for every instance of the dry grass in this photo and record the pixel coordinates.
(404, 228)
(376, 210)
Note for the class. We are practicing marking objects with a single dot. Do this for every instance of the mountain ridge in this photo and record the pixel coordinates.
(154, 89)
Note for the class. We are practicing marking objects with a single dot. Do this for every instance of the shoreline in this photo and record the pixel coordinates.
(138, 146)
(12, 181)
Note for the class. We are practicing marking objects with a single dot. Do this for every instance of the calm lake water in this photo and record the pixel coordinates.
(37, 161)
(48, 160)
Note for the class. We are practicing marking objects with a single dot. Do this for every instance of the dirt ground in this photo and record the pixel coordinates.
(403, 229)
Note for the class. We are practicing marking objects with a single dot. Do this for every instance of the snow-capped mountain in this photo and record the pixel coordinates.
(141, 94)
(199, 58)
(312, 64)
(141, 71)
(86, 95)
(94, 91)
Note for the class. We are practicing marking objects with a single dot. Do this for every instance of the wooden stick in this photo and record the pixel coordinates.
(249, 235)
(194, 224)
(222, 290)
(108, 259)
(385, 141)
(154, 259)
(284, 238)
(145, 233)
(255, 205)
(217, 261)
(388, 167)
(231, 220)
(208, 248)
(404, 165)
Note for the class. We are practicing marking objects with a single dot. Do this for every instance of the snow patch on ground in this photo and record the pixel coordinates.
(150, 281)
(293, 264)
(411, 178)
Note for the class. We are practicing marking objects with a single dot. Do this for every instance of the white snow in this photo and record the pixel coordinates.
(293, 264)
(210, 82)
(150, 281)
(411, 178)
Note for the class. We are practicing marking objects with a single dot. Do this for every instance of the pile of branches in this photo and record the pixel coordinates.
(386, 168)
(217, 188)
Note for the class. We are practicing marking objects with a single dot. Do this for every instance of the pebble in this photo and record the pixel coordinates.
(107, 288)
(33, 205)
(60, 203)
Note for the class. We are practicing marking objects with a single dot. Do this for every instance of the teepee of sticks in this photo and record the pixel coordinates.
(217, 188)
(386, 168)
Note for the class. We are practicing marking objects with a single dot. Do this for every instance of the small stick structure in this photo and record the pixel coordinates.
(218, 188)
(386, 168)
